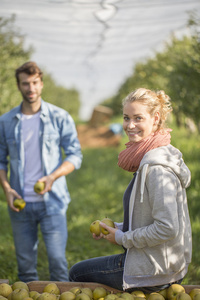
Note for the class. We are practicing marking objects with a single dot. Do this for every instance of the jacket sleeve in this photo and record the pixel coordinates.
(161, 192)
(70, 142)
(3, 149)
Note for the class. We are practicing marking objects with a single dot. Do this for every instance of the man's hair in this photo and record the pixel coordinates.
(29, 68)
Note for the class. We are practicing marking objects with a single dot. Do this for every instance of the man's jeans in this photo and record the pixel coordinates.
(25, 232)
(106, 270)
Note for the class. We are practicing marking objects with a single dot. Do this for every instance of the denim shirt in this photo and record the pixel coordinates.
(57, 133)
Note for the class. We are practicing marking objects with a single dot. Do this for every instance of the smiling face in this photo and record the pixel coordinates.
(138, 123)
(30, 87)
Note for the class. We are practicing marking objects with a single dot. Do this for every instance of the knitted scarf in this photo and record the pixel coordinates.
(129, 159)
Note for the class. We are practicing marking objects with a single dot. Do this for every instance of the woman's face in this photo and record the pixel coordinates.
(138, 123)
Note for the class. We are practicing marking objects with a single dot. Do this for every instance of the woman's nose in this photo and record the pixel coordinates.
(131, 124)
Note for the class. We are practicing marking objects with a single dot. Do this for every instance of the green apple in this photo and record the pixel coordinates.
(52, 288)
(155, 296)
(34, 294)
(19, 203)
(147, 295)
(193, 292)
(99, 292)
(20, 285)
(127, 296)
(111, 297)
(67, 296)
(87, 291)
(196, 297)
(108, 222)
(183, 296)
(138, 293)
(95, 228)
(10, 296)
(76, 290)
(19, 294)
(5, 289)
(118, 294)
(3, 298)
(39, 187)
(82, 296)
(47, 296)
(163, 293)
(173, 290)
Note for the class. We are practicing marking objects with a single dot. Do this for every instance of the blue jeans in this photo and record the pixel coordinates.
(106, 270)
(25, 231)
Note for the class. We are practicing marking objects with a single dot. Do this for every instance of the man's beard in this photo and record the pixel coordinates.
(33, 99)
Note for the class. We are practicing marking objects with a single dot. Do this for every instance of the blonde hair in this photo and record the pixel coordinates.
(156, 101)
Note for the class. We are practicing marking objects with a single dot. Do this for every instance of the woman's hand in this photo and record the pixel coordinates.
(109, 237)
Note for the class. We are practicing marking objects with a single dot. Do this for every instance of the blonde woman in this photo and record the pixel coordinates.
(156, 232)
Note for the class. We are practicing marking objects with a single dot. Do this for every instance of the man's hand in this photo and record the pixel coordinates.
(11, 194)
(48, 181)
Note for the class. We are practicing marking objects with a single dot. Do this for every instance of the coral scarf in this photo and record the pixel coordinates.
(130, 158)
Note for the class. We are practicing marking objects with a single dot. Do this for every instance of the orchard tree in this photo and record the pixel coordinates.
(12, 55)
(67, 99)
(184, 77)
(176, 70)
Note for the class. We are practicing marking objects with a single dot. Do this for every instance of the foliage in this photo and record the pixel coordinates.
(96, 191)
(176, 70)
(12, 56)
(60, 96)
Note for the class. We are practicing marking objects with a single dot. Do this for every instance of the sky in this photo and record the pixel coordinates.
(93, 45)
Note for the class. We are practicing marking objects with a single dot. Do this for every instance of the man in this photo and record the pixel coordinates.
(33, 136)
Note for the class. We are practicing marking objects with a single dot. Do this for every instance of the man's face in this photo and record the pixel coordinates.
(30, 87)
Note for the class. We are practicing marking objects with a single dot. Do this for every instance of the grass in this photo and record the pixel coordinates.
(96, 191)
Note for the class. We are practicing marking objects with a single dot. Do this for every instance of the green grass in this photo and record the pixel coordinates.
(96, 191)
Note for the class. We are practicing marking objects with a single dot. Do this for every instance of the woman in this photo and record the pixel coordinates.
(156, 231)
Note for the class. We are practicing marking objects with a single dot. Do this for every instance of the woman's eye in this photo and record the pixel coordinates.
(126, 118)
(138, 118)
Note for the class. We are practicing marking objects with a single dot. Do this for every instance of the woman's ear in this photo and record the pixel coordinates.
(156, 118)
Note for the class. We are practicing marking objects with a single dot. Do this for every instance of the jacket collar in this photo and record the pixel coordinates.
(18, 110)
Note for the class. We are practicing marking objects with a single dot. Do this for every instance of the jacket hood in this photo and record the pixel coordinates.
(169, 157)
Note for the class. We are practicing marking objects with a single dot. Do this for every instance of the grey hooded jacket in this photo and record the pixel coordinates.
(159, 241)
